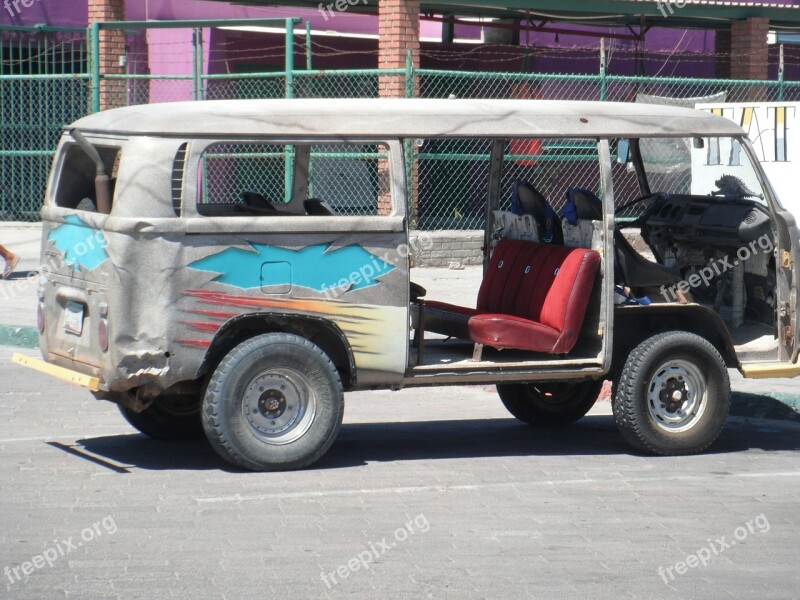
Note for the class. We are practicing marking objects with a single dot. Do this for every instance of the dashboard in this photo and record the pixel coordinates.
(711, 220)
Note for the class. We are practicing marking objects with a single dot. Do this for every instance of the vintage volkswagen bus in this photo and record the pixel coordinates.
(232, 268)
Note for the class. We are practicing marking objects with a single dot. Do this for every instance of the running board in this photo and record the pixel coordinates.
(770, 370)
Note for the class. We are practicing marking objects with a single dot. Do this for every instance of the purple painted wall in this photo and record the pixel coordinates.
(671, 52)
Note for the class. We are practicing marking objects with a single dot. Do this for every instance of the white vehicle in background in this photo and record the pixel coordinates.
(771, 128)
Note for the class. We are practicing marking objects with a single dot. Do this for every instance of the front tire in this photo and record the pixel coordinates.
(275, 402)
(549, 403)
(673, 395)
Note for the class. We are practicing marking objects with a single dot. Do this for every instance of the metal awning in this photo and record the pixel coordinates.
(701, 14)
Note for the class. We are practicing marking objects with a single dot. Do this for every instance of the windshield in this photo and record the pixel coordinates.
(716, 167)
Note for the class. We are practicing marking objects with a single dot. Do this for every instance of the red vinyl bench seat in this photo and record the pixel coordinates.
(533, 297)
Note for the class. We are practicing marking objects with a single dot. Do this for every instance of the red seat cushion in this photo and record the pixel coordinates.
(533, 297)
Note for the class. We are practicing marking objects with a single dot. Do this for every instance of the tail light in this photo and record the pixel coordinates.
(40, 316)
(102, 334)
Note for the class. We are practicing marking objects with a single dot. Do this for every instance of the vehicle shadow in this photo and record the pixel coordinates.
(362, 443)
(19, 275)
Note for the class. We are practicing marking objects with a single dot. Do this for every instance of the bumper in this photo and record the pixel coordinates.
(87, 381)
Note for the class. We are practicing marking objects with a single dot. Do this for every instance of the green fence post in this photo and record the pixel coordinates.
(780, 75)
(94, 59)
(409, 147)
(602, 69)
(308, 45)
(195, 73)
(288, 163)
(409, 75)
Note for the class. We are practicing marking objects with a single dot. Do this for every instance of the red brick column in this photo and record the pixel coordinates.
(722, 52)
(112, 47)
(750, 54)
(399, 32)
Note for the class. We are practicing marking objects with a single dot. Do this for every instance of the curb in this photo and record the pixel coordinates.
(770, 406)
(21, 336)
(780, 424)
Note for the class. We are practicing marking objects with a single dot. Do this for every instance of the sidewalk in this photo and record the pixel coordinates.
(18, 292)
(768, 399)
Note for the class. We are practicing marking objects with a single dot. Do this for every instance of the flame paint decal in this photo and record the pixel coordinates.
(375, 333)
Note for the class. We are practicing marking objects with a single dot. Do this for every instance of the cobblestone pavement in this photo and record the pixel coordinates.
(432, 493)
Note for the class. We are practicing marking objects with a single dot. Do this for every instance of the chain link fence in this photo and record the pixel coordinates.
(43, 86)
(46, 81)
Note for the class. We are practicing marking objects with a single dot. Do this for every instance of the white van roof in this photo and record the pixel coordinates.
(390, 118)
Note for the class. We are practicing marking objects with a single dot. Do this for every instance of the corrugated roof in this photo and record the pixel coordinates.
(664, 13)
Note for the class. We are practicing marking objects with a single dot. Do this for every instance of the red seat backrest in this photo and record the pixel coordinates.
(544, 283)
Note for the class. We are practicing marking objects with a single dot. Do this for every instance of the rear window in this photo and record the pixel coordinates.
(76, 181)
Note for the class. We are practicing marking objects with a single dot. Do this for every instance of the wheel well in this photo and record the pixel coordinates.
(321, 332)
(634, 324)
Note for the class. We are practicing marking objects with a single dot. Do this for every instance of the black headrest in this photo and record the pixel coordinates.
(582, 204)
(532, 202)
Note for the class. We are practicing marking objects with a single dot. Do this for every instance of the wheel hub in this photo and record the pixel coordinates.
(272, 404)
(676, 395)
(673, 394)
(278, 406)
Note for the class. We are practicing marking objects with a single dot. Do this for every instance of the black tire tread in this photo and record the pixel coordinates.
(161, 425)
(514, 398)
(212, 404)
(626, 394)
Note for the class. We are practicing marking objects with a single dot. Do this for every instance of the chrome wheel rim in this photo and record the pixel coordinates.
(279, 406)
(677, 396)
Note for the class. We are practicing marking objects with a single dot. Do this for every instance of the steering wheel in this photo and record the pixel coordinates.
(641, 219)
(660, 195)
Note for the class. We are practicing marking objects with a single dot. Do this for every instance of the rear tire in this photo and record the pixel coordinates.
(275, 402)
(551, 402)
(168, 418)
(673, 395)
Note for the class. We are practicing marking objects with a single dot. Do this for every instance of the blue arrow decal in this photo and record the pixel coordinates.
(313, 267)
(80, 243)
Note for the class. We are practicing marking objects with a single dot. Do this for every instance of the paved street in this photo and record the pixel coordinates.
(438, 492)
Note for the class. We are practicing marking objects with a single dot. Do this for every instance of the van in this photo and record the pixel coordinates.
(232, 268)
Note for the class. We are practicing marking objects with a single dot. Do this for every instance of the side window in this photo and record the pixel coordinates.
(350, 179)
(257, 179)
(240, 178)
(76, 181)
(452, 177)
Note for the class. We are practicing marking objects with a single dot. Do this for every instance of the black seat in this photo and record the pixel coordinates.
(317, 207)
(531, 202)
(255, 202)
(635, 271)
